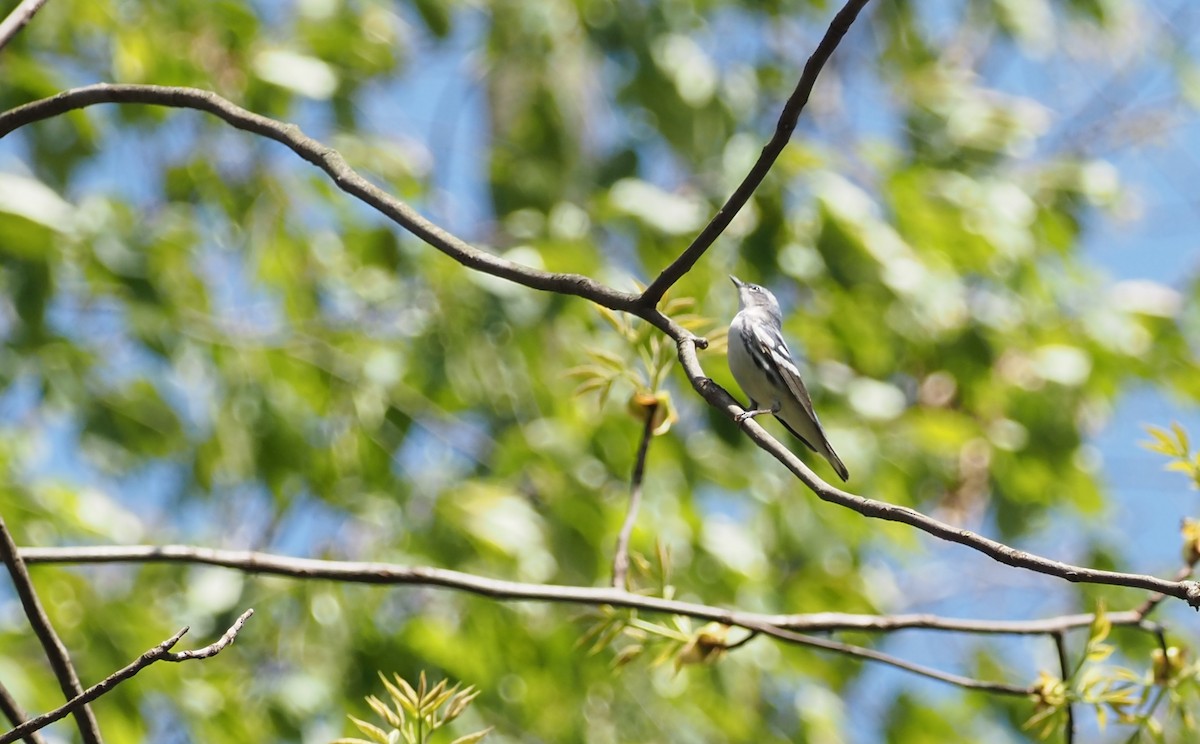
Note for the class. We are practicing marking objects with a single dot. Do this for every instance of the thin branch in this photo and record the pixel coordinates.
(1154, 600)
(13, 712)
(1064, 664)
(717, 397)
(17, 19)
(161, 652)
(56, 652)
(344, 177)
(393, 574)
(770, 153)
(621, 556)
(847, 649)
(383, 573)
(572, 284)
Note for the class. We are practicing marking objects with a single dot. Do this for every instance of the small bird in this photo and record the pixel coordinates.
(761, 363)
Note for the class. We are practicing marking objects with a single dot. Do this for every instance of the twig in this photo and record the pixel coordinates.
(572, 284)
(17, 19)
(161, 652)
(770, 153)
(847, 649)
(1154, 600)
(621, 556)
(13, 712)
(1064, 664)
(56, 652)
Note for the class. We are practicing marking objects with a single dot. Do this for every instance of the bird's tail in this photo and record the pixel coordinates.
(836, 462)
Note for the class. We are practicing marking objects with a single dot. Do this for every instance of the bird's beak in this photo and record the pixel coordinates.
(737, 282)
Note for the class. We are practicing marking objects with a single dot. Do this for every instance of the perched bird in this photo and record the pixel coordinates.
(761, 363)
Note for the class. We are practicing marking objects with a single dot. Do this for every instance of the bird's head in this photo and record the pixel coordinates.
(753, 296)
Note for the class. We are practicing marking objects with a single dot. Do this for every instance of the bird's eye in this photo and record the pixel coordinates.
(755, 288)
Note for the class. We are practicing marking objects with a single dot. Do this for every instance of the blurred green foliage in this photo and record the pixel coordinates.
(202, 341)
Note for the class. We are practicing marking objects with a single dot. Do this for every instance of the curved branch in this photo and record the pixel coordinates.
(572, 284)
(56, 652)
(770, 153)
(390, 573)
(161, 652)
(385, 573)
(345, 177)
(717, 397)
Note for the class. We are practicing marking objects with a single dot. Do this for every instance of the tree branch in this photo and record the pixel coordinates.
(161, 652)
(13, 712)
(17, 19)
(1064, 664)
(717, 397)
(770, 153)
(571, 284)
(847, 649)
(393, 574)
(384, 573)
(621, 554)
(56, 652)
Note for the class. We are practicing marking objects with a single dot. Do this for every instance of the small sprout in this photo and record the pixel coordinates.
(1169, 665)
(705, 647)
(415, 714)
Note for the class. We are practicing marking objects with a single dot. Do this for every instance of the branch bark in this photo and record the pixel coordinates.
(16, 20)
(161, 652)
(16, 716)
(56, 652)
(621, 554)
(770, 153)
(384, 573)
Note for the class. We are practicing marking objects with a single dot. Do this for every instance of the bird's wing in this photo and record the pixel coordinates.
(771, 343)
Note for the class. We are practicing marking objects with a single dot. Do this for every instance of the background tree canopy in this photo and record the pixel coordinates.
(981, 231)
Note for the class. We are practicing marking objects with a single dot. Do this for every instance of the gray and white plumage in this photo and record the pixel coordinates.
(762, 365)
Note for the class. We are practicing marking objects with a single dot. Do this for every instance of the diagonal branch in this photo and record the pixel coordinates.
(56, 652)
(161, 652)
(572, 284)
(722, 400)
(846, 649)
(17, 19)
(13, 712)
(345, 177)
(770, 153)
(621, 554)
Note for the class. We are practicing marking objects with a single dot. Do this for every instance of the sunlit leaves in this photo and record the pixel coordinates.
(416, 714)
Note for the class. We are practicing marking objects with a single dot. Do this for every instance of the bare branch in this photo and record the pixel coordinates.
(393, 574)
(56, 652)
(17, 19)
(621, 555)
(383, 573)
(717, 397)
(572, 284)
(1154, 600)
(1064, 665)
(13, 712)
(847, 649)
(770, 153)
(161, 652)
